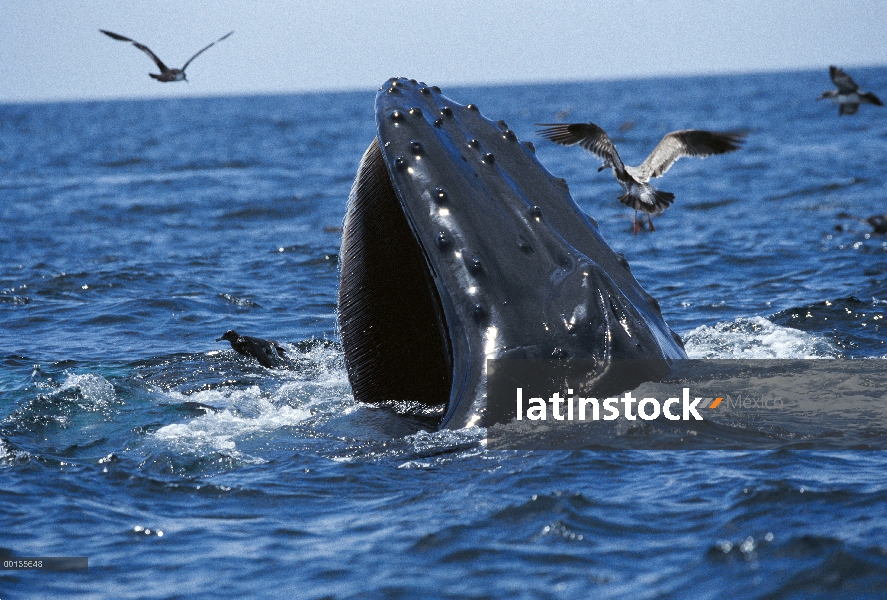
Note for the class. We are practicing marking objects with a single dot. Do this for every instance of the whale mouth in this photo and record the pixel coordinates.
(459, 247)
(390, 312)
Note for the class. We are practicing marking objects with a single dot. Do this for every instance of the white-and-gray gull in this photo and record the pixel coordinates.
(639, 194)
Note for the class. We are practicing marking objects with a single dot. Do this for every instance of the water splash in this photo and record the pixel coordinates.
(96, 392)
(312, 392)
(755, 338)
(247, 413)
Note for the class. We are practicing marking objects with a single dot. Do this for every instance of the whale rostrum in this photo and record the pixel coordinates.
(458, 246)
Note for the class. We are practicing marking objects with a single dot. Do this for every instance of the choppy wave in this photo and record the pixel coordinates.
(311, 387)
(246, 413)
(755, 338)
(94, 390)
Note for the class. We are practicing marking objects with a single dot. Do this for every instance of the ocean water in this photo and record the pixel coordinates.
(134, 233)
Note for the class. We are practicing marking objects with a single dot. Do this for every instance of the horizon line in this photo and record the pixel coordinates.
(453, 85)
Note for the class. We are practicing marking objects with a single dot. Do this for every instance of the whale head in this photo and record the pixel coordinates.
(458, 247)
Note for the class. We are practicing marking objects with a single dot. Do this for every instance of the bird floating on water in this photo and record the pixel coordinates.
(639, 194)
(268, 352)
(166, 74)
(847, 96)
(878, 222)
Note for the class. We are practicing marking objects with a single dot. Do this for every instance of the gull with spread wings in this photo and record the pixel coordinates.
(639, 194)
(166, 74)
(847, 96)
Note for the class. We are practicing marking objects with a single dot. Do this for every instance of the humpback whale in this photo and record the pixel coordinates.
(458, 246)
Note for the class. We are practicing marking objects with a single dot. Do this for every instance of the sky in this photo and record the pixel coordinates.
(52, 49)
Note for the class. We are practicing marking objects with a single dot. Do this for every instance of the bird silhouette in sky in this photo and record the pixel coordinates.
(166, 74)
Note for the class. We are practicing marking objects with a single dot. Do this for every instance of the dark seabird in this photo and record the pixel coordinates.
(166, 74)
(878, 222)
(639, 194)
(268, 352)
(847, 96)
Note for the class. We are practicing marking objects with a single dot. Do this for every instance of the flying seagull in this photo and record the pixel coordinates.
(847, 96)
(639, 194)
(166, 74)
(268, 352)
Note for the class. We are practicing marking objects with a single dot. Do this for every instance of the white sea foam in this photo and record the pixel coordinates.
(247, 413)
(425, 441)
(96, 391)
(318, 389)
(755, 338)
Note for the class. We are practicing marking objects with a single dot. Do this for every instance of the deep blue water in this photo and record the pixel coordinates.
(134, 233)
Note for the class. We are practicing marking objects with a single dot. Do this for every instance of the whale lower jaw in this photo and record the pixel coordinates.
(391, 320)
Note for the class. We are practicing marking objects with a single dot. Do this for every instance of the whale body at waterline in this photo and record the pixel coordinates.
(458, 246)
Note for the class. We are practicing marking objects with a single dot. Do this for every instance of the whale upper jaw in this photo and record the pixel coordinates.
(458, 247)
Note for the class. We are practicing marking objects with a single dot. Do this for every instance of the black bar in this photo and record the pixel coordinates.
(44, 563)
